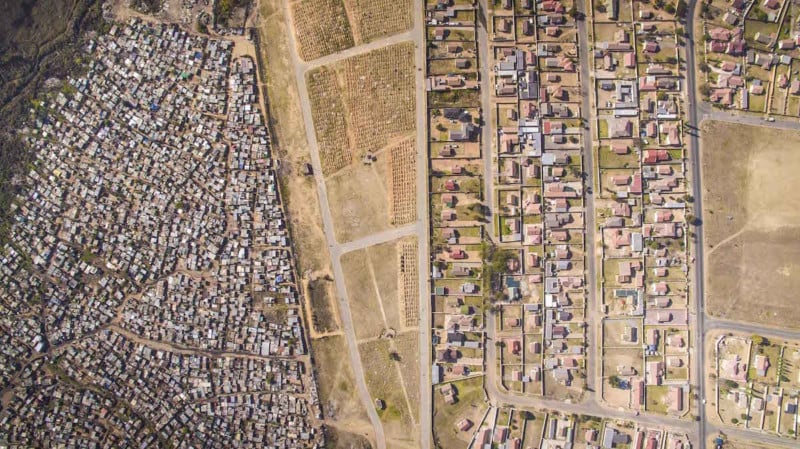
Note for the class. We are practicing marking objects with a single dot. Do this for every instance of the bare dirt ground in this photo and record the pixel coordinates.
(344, 411)
(752, 222)
(299, 193)
(371, 277)
(358, 198)
(340, 401)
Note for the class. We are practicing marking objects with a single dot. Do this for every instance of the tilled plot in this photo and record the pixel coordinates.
(407, 283)
(379, 95)
(402, 182)
(330, 124)
(373, 19)
(321, 27)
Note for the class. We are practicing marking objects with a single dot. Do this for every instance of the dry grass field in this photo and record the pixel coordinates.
(365, 306)
(378, 92)
(338, 394)
(752, 222)
(402, 182)
(374, 19)
(383, 379)
(407, 345)
(321, 27)
(357, 195)
(299, 192)
(330, 123)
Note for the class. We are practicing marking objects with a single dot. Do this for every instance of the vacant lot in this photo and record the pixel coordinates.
(357, 196)
(372, 281)
(321, 27)
(752, 222)
(338, 394)
(365, 306)
(407, 345)
(383, 381)
(373, 19)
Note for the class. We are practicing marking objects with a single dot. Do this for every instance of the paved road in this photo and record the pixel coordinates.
(698, 111)
(333, 246)
(361, 49)
(750, 329)
(422, 227)
(594, 381)
(487, 136)
(707, 112)
(699, 363)
(589, 406)
(376, 239)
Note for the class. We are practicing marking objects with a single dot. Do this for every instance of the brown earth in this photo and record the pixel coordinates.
(752, 222)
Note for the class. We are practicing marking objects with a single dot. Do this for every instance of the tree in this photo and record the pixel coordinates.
(394, 356)
(759, 340)
(669, 9)
(573, 11)
(705, 90)
(681, 9)
(614, 380)
(734, 421)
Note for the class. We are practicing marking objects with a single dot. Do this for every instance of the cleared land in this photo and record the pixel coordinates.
(321, 27)
(373, 19)
(286, 120)
(752, 222)
(337, 390)
(365, 307)
(357, 196)
(383, 379)
(402, 183)
(371, 277)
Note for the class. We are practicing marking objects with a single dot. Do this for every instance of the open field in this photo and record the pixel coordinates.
(374, 19)
(357, 196)
(365, 306)
(384, 264)
(751, 222)
(338, 394)
(402, 182)
(321, 27)
(407, 345)
(383, 380)
(374, 278)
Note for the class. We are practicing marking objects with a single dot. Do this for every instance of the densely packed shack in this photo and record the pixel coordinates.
(148, 290)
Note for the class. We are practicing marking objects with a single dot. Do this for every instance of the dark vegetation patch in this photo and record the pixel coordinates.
(39, 39)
